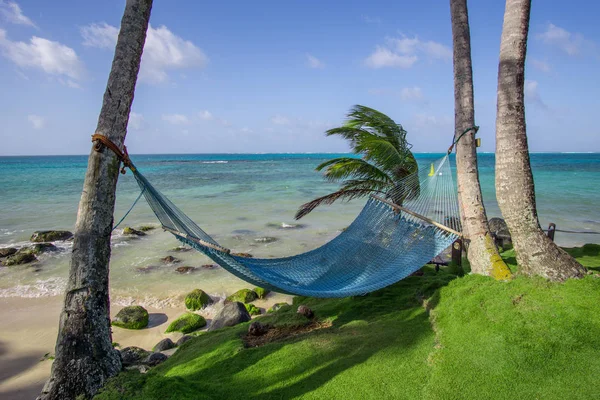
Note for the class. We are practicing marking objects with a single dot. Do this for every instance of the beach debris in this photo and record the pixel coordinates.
(246, 255)
(252, 309)
(50, 236)
(163, 345)
(243, 296)
(257, 329)
(8, 251)
(231, 314)
(261, 293)
(170, 260)
(129, 231)
(131, 317)
(187, 323)
(277, 307)
(183, 339)
(19, 258)
(185, 269)
(266, 239)
(197, 299)
(307, 312)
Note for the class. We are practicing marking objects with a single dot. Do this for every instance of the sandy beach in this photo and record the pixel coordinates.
(30, 326)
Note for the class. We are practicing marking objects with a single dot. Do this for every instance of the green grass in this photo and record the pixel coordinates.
(481, 339)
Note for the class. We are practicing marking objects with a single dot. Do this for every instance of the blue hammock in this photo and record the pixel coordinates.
(383, 245)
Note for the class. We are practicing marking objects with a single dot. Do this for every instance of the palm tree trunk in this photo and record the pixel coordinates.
(536, 253)
(482, 251)
(85, 357)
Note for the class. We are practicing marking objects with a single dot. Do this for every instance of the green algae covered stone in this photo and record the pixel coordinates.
(261, 293)
(243, 296)
(131, 317)
(187, 323)
(252, 309)
(197, 299)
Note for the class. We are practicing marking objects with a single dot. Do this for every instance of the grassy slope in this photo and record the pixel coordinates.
(521, 339)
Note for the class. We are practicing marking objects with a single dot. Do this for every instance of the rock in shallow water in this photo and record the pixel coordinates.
(197, 299)
(185, 269)
(170, 260)
(231, 314)
(50, 236)
(7, 251)
(129, 231)
(266, 239)
(19, 258)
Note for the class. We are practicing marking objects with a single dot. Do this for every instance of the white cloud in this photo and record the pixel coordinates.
(411, 94)
(49, 56)
(36, 121)
(566, 41)
(539, 65)
(175, 119)
(314, 62)
(13, 13)
(383, 57)
(280, 120)
(532, 94)
(404, 52)
(205, 115)
(102, 35)
(136, 121)
(163, 51)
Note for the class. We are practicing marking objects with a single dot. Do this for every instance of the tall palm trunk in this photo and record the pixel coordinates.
(536, 253)
(482, 251)
(85, 357)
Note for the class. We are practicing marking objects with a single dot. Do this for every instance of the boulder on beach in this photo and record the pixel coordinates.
(133, 355)
(261, 293)
(187, 323)
(243, 296)
(50, 236)
(19, 258)
(252, 309)
(163, 345)
(197, 299)
(154, 359)
(183, 339)
(129, 231)
(131, 317)
(8, 251)
(231, 314)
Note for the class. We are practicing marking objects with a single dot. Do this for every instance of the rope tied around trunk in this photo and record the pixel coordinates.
(123, 156)
(473, 128)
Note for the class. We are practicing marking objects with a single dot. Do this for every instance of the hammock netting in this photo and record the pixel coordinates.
(383, 245)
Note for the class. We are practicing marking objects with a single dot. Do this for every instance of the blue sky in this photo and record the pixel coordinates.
(272, 76)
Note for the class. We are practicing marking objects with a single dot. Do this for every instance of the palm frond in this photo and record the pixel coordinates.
(330, 199)
(339, 169)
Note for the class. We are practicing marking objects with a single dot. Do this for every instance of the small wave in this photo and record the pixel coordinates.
(215, 162)
(41, 288)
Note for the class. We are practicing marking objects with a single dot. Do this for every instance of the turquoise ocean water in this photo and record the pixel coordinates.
(237, 198)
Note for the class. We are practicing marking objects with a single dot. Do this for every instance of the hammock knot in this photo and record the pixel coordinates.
(123, 156)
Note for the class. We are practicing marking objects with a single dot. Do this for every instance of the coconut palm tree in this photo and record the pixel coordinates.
(482, 251)
(536, 253)
(85, 357)
(386, 162)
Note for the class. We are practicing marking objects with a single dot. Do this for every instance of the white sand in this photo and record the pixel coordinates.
(28, 331)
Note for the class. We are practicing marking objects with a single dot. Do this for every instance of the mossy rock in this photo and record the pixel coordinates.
(50, 236)
(146, 228)
(243, 296)
(277, 307)
(252, 309)
(39, 248)
(187, 323)
(8, 251)
(132, 232)
(197, 299)
(131, 317)
(261, 293)
(19, 258)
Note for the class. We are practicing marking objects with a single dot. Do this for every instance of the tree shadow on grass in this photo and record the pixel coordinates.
(390, 325)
